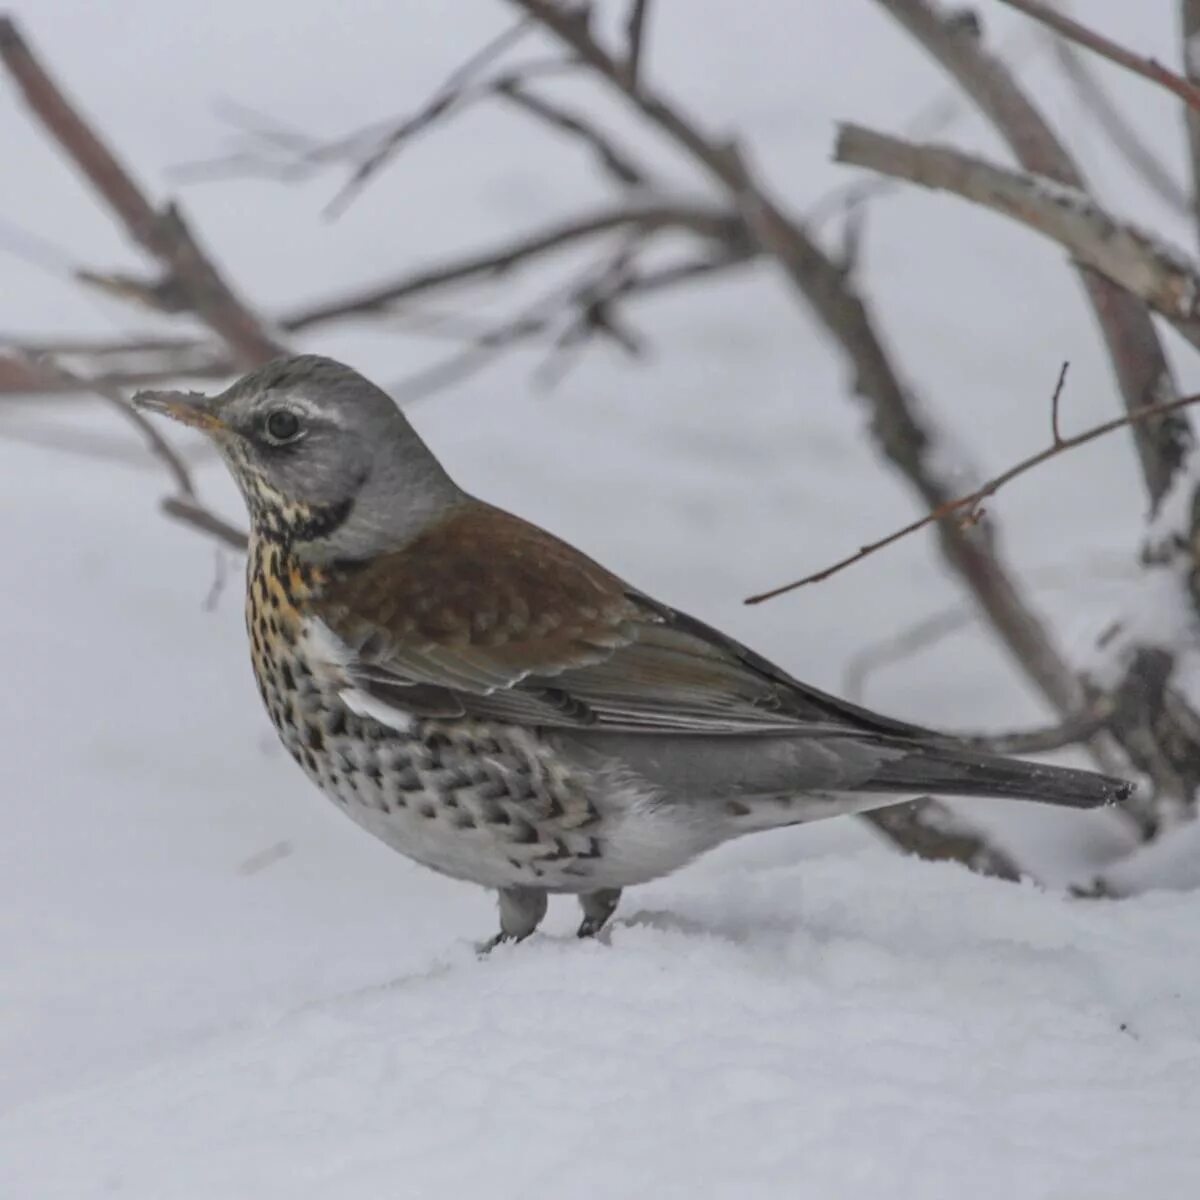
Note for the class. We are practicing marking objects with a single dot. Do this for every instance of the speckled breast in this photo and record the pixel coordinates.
(478, 801)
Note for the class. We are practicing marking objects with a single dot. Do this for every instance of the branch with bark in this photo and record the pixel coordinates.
(1159, 275)
(188, 271)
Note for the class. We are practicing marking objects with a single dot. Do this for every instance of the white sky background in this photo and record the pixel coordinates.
(139, 771)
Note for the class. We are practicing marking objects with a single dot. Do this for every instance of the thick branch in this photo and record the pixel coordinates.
(1137, 356)
(1159, 276)
(165, 235)
(933, 832)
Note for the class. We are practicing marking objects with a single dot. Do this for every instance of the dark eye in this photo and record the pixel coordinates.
(282, 426)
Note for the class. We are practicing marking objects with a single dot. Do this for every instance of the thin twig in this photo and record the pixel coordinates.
(967, 506)
(447, 96)
(165, 235)
(185, 506)
(647, 218)
(935, 627)
(1189, 29)
(613, 161)
(1054, 399)
(1125, 139)
(147, 430)
(198, 517)
(635, 35)
(1147, 68)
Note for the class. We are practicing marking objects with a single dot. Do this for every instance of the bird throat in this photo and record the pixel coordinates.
(289, 523)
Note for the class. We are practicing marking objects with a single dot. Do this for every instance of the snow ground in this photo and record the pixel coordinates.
(214, 986)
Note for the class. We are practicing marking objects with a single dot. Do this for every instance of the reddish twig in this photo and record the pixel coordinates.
(165, 235)
(1147, 68)
(966, 507)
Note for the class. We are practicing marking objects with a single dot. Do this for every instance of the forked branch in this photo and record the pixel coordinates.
(966, 509)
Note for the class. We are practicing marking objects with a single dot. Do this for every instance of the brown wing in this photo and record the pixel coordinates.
(489, 616)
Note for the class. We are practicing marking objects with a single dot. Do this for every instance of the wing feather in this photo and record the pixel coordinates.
(490, 617)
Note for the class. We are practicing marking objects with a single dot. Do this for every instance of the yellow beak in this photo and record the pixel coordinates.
(189, 408)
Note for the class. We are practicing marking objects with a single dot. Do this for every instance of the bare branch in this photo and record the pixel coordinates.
(635, 35)
(1147, 68)
(1071, 731)
(185, 506)
(130, 362)
(165, 235)
(188, 512)
(1133, 346)
(933, 628)
(1054, 399)
(1125, 139)
(613, 161)
(1161, 277)
(147, 361)
(451, 93)
(646, 219)
(1189, 21)
(155, 441)
(967, 507)
(935, 833)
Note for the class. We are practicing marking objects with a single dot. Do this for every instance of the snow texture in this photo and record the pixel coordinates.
(215, 986)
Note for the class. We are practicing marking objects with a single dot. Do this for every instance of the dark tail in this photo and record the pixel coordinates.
(962, 772)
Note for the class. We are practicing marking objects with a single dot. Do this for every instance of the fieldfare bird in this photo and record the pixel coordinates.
(492, 703)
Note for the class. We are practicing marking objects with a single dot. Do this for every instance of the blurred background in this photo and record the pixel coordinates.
(166, 873)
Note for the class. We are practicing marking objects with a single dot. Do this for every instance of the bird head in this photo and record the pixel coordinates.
(324, 458)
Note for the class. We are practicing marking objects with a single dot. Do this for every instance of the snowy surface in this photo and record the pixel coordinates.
(211, 985)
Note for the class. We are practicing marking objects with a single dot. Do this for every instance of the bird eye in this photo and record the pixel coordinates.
(282, 426)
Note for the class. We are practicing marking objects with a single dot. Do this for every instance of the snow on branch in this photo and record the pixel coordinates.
(1160, 275)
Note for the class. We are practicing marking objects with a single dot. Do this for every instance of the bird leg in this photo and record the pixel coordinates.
(597, 908)
(521, 912)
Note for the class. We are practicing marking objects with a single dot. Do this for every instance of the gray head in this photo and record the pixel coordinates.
(323, 457)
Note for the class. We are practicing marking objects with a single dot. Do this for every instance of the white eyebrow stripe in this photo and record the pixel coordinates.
(304, 407)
